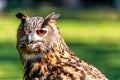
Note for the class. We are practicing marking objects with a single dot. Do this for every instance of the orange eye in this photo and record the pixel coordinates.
(22, 31)
(41, 32)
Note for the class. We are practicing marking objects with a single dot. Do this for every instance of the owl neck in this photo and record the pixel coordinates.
(61, 45)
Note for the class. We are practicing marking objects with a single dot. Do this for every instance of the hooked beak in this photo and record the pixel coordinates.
(33, 37)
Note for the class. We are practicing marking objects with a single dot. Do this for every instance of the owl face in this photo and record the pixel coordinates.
(36, 34)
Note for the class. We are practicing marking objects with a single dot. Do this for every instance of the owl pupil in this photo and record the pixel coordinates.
(41, 32)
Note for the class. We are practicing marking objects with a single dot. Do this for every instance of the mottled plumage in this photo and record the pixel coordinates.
(45, 55)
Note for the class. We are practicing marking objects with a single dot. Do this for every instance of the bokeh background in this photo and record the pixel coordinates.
(91, 29)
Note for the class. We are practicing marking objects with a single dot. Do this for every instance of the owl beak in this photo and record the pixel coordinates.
(33, 38)
(30, 39)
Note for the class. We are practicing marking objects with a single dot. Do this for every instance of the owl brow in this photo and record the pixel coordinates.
(45, 21)
(43, 25)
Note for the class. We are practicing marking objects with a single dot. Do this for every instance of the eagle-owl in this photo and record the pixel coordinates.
(45, 55)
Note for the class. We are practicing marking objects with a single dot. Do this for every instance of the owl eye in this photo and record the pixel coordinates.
(22, 31)
(41, 32)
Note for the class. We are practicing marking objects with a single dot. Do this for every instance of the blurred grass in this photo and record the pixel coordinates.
(93, 35)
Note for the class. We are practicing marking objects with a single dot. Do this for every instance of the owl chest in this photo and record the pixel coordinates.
(33, 69)
(36, 66)
(48, 68)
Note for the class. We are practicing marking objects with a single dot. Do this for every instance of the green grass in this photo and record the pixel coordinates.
(90, 31)
(96, 42)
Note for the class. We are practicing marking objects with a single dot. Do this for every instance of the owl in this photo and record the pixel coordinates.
(45, 55)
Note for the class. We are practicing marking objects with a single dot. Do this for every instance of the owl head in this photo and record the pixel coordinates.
(36, 34)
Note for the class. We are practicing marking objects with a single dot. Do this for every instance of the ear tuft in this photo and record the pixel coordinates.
(20, 15)
(53, 16)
